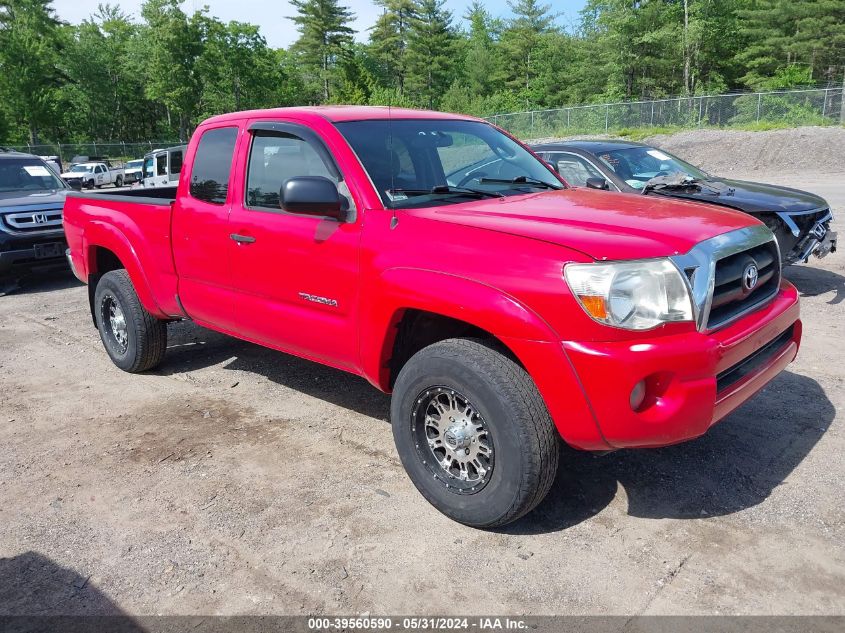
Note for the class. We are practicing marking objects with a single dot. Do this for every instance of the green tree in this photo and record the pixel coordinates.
(30, 48)
(431, 52)
(482, 69)
(171, 45)
(389, 41)
(781, 33)
(521, 40)
(324, 34)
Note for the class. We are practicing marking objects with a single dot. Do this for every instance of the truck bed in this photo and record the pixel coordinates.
(140, 195)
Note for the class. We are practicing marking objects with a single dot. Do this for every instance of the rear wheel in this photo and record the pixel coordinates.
(134, 339)
(473, 433)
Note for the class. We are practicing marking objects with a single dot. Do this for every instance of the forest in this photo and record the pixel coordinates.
(115, 78)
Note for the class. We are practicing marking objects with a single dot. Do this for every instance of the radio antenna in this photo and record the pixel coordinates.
(394, 219)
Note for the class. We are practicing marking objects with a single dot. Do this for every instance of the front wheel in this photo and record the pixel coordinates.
(134, 339)
(118, 182)
(473, 433)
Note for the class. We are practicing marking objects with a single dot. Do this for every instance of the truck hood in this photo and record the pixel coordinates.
(599, 224)
(752, 197)
(49, 199)
(74, 174)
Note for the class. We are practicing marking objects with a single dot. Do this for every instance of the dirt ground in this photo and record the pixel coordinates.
(237, 480)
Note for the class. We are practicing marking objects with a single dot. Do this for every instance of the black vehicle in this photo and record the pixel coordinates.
(31, 201)
(799, 220)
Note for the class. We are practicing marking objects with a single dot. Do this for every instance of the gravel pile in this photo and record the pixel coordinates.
(815, 150)
(805, 149)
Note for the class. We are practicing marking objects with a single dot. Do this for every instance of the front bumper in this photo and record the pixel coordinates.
(25, 257)
(692, 380)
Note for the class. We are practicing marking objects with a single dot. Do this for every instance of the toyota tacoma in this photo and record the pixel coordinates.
(501, 308)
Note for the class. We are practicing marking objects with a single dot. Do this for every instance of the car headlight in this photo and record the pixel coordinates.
(636, 295)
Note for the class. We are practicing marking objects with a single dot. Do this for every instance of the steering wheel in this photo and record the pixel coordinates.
(476, 175)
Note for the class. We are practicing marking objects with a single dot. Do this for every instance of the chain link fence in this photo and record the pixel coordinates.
(116, 151)
(821, 106)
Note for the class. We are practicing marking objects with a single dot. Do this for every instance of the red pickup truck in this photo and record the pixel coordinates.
(439, 258)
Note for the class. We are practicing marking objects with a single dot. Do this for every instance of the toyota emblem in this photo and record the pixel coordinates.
(749, 277)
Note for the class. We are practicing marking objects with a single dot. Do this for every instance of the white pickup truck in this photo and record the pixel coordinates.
(90, 175)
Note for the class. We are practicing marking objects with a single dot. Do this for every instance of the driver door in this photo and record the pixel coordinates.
(295, 276)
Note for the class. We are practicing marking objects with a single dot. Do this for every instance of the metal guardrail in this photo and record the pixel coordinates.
(817, 106)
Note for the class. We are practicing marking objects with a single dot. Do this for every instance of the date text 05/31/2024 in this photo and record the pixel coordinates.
(416, 624)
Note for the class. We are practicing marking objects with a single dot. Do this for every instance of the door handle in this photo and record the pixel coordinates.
(242, 239)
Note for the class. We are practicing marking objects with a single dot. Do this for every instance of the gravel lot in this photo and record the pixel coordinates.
(237, 480)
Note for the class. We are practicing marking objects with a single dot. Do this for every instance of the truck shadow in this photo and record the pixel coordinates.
(191, 348)
(735, 466)
(38, 594)
(812, 281)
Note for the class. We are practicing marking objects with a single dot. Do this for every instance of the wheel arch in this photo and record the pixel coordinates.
(107, 249)
(417, 308)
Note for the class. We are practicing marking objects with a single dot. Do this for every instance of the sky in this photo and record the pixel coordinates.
(270, 15)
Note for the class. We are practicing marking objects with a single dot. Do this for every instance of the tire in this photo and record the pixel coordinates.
(140, 343)
(507, 414)
(89, 184)
(118, 182)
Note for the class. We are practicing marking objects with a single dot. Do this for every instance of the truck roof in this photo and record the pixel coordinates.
(338, 113)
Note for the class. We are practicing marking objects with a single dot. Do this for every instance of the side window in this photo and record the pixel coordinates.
(213, 165)
(574, 169)
(176, 162)
(161, 165)
(273, 159)
(148, 167)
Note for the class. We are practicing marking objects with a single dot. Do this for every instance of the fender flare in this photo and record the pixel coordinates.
(400, 289)
(103, 235)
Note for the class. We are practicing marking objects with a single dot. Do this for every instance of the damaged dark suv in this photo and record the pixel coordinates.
(799, 220)
(31, 198)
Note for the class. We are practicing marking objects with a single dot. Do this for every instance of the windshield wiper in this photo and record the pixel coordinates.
(441, 189)
(521, 180)
(681, 180)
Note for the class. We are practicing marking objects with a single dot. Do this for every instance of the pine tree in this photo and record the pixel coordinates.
(780, 33)
(431, 52)
(521, 40)
(30, 43)
(324, 34)
(389, 41)
(481, 66)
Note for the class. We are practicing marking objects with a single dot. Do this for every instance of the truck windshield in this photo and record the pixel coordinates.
(134, 164)
(82, 168)
(27, 174)
(637, 165)
(425, 162)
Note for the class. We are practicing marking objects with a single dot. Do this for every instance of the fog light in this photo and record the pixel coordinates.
(638, 395)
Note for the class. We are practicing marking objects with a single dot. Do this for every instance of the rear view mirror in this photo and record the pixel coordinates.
(312, 195)
(597, 183)
(76, 185)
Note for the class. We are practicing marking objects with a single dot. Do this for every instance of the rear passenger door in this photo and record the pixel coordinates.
(200, 231)
(296, 276)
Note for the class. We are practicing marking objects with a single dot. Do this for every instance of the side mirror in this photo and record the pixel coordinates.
(76, 185)
(597, 183)
(312, 195)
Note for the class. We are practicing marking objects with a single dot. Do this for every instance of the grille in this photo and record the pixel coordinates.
(731, 296)
(35, 220)
(754, 361)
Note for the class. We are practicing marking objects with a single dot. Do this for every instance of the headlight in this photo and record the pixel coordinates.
(632, 295)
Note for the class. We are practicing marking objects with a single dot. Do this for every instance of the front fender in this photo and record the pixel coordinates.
(399, 289)
(104, 235)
